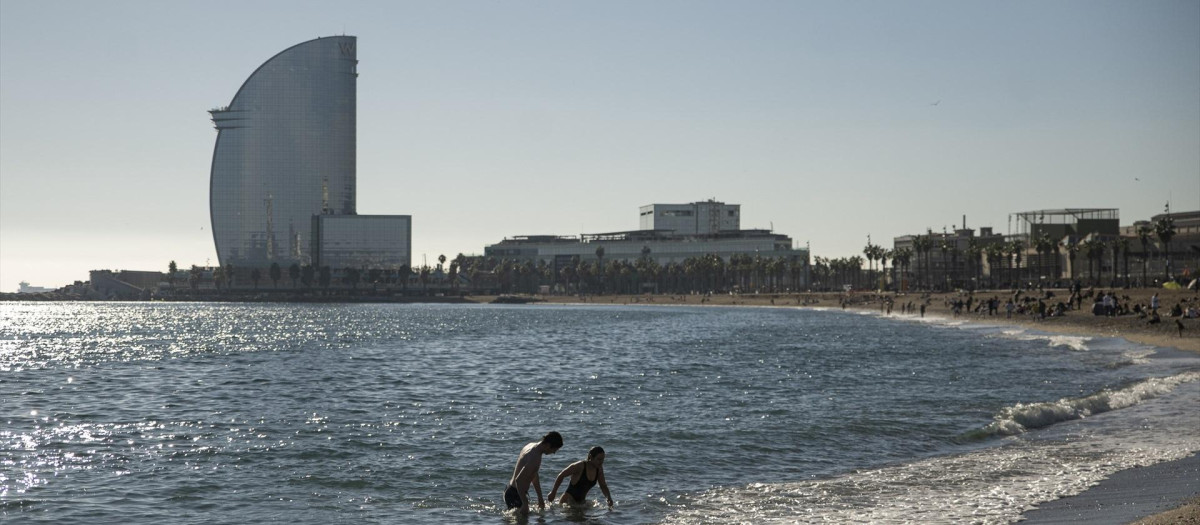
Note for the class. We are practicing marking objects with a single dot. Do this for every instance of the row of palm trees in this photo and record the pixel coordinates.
(1004, 259)
(227, 275)
(696, 274)
(707, 273)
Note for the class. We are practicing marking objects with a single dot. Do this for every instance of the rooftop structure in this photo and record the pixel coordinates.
(696, 218)
(1078, 222)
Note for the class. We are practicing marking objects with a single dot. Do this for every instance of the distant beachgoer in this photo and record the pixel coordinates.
(922, 309)
(584, 475)
(1179, 326)
(1154, 302)
(1154, 318)
(516, 494)
(1008, 309)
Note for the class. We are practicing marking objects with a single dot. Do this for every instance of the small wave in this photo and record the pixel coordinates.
(993, 485)
(1074, 342)
(1022, 417)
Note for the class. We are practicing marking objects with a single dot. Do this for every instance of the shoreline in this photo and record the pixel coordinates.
(1075, 322)
(1159, 494)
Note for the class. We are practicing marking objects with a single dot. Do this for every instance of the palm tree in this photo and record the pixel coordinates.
(453, 275)
(1052, 249)
(944, 246)
(1094, 249)
(276, 273)
(1144, 233)
(194, 276)
(903, 257)
(1165, 230)
(995, 256)
(441, 261)
(600, 264)
(423, 277)
(883, 254)
(1016, 248)
(922, 244)
(955, 275)
(1115, 246)
(325, 277)
(1072, 251)
(1123, 244)
(404, 273)
(307, 275)
(171, 269)
(974, 251)
(869, 253)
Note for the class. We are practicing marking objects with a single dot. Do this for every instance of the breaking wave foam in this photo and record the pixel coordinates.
(1021, 417)
(990, 485)
(987, 486)
(1074, 342)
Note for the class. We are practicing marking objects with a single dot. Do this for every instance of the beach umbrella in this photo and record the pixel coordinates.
(1194, 285)
(1172, 285)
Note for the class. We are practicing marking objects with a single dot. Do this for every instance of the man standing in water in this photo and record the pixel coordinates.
(516, 494)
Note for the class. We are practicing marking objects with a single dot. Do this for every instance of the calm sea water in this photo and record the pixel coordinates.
(214, 413)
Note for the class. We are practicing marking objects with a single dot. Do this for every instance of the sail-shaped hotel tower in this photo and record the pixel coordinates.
(282, 186)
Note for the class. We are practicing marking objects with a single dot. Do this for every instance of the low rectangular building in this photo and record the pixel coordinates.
(362, 241)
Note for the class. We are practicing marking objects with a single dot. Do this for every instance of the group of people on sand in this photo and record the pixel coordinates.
(583, 475)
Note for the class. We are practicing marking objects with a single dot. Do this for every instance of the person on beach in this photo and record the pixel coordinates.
(584, 474)
(529, 461)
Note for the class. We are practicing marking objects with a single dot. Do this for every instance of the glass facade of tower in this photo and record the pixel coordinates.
(285, 152)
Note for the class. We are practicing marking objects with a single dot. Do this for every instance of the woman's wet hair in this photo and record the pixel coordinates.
(595, 451)
(554, 439)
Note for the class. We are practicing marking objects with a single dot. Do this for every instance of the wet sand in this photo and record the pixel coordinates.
(1159, 494)
(1151, 494)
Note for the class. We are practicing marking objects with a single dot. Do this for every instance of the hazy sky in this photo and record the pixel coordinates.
(491, 119)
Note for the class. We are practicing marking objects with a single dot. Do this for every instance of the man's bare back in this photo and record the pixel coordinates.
(525, 473)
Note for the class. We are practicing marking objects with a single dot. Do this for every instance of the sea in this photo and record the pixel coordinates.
(414, 413)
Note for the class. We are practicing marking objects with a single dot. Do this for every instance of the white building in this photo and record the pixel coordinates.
(662, 247)
(671, 233)
(698, 218)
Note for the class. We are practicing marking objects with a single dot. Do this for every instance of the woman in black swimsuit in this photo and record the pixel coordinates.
(584, 475)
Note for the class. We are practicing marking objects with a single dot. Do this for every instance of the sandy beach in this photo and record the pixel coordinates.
(1158, 494)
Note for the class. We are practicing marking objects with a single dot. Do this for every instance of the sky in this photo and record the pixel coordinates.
(827, 121)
